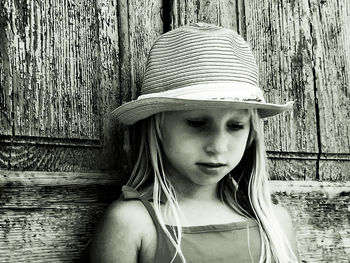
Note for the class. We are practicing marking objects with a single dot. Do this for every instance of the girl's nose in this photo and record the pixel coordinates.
(216, 142)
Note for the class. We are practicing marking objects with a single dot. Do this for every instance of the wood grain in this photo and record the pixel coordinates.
(52, 157)
(62, 60)
(6, 85)
(41, 190)
(108, 84)
(281, 168)
(226, 13)
(140, 24)
(49, 217)
(52, 59)
(280, 36)
(335, 170)
(330, 25)
(47, 235)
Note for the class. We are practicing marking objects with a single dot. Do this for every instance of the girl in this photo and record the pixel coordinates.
(199, 189)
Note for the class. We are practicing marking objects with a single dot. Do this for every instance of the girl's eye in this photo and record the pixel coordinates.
(196, 123)
(235, 126)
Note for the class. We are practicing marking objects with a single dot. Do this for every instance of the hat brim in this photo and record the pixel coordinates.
(136, 110)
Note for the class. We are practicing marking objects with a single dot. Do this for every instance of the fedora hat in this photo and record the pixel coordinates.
(196, 67)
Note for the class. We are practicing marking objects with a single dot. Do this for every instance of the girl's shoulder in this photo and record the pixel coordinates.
(130, 213)
(120, 232)
(283, 218)
(286, 224)
(281, 212)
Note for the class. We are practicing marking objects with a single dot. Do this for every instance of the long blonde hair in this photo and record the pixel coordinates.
(245, 189)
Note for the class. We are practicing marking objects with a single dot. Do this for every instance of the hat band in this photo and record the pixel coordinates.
(226, 91)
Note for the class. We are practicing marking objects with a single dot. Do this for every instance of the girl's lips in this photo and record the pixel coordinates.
(211, 165)
(211, 168)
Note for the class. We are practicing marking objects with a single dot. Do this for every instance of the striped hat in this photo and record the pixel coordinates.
(197, 67)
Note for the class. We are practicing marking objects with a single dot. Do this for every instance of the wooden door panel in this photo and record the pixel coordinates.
(60, 78)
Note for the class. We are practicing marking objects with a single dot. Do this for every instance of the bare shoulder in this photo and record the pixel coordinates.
(283, 216)
(286, 224)
(118, 235)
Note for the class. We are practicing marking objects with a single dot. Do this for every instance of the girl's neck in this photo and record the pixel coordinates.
(187, 191)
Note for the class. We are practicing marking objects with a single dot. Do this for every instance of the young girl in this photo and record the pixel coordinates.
(199, 189)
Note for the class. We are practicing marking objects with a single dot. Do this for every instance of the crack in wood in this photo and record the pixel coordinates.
(317, 113)
(32, 140)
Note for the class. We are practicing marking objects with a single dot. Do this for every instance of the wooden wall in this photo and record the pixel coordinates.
(64, 65)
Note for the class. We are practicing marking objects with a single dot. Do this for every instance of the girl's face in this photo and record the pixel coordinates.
(202, 146)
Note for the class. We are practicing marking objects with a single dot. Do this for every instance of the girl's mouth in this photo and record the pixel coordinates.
(211, 165)
(212, 169)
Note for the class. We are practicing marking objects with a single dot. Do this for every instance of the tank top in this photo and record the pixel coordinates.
(219, 243)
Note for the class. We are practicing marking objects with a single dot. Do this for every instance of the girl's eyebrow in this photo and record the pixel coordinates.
(236, 119)
(242, 119)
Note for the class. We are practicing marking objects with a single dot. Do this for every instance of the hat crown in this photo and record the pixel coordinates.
(198, 54)
(198, 67)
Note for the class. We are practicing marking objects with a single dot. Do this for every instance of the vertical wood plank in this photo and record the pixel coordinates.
(53, 59)
(6, 118)
(330, 24)
(222, 12)
(145, 26)
(183, 13)
(108, 80)
(140, 23)
(280, 35)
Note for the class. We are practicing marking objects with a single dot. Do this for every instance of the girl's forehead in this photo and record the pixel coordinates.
(236, 114)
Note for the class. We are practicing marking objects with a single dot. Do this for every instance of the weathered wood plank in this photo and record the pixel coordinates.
(6, 92)
(63, 64)
(321, 216)
(53, 158)
(292, 169)
(5, 152)
(34, 190)
(140, 24)
(301, 166)
(53, 59)
(50, 216)
(47, 235)
(183, 13)
(330, 25)
(145, 26)
(280, 36)
(224, 12)
(108, 83)
(335, 170)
